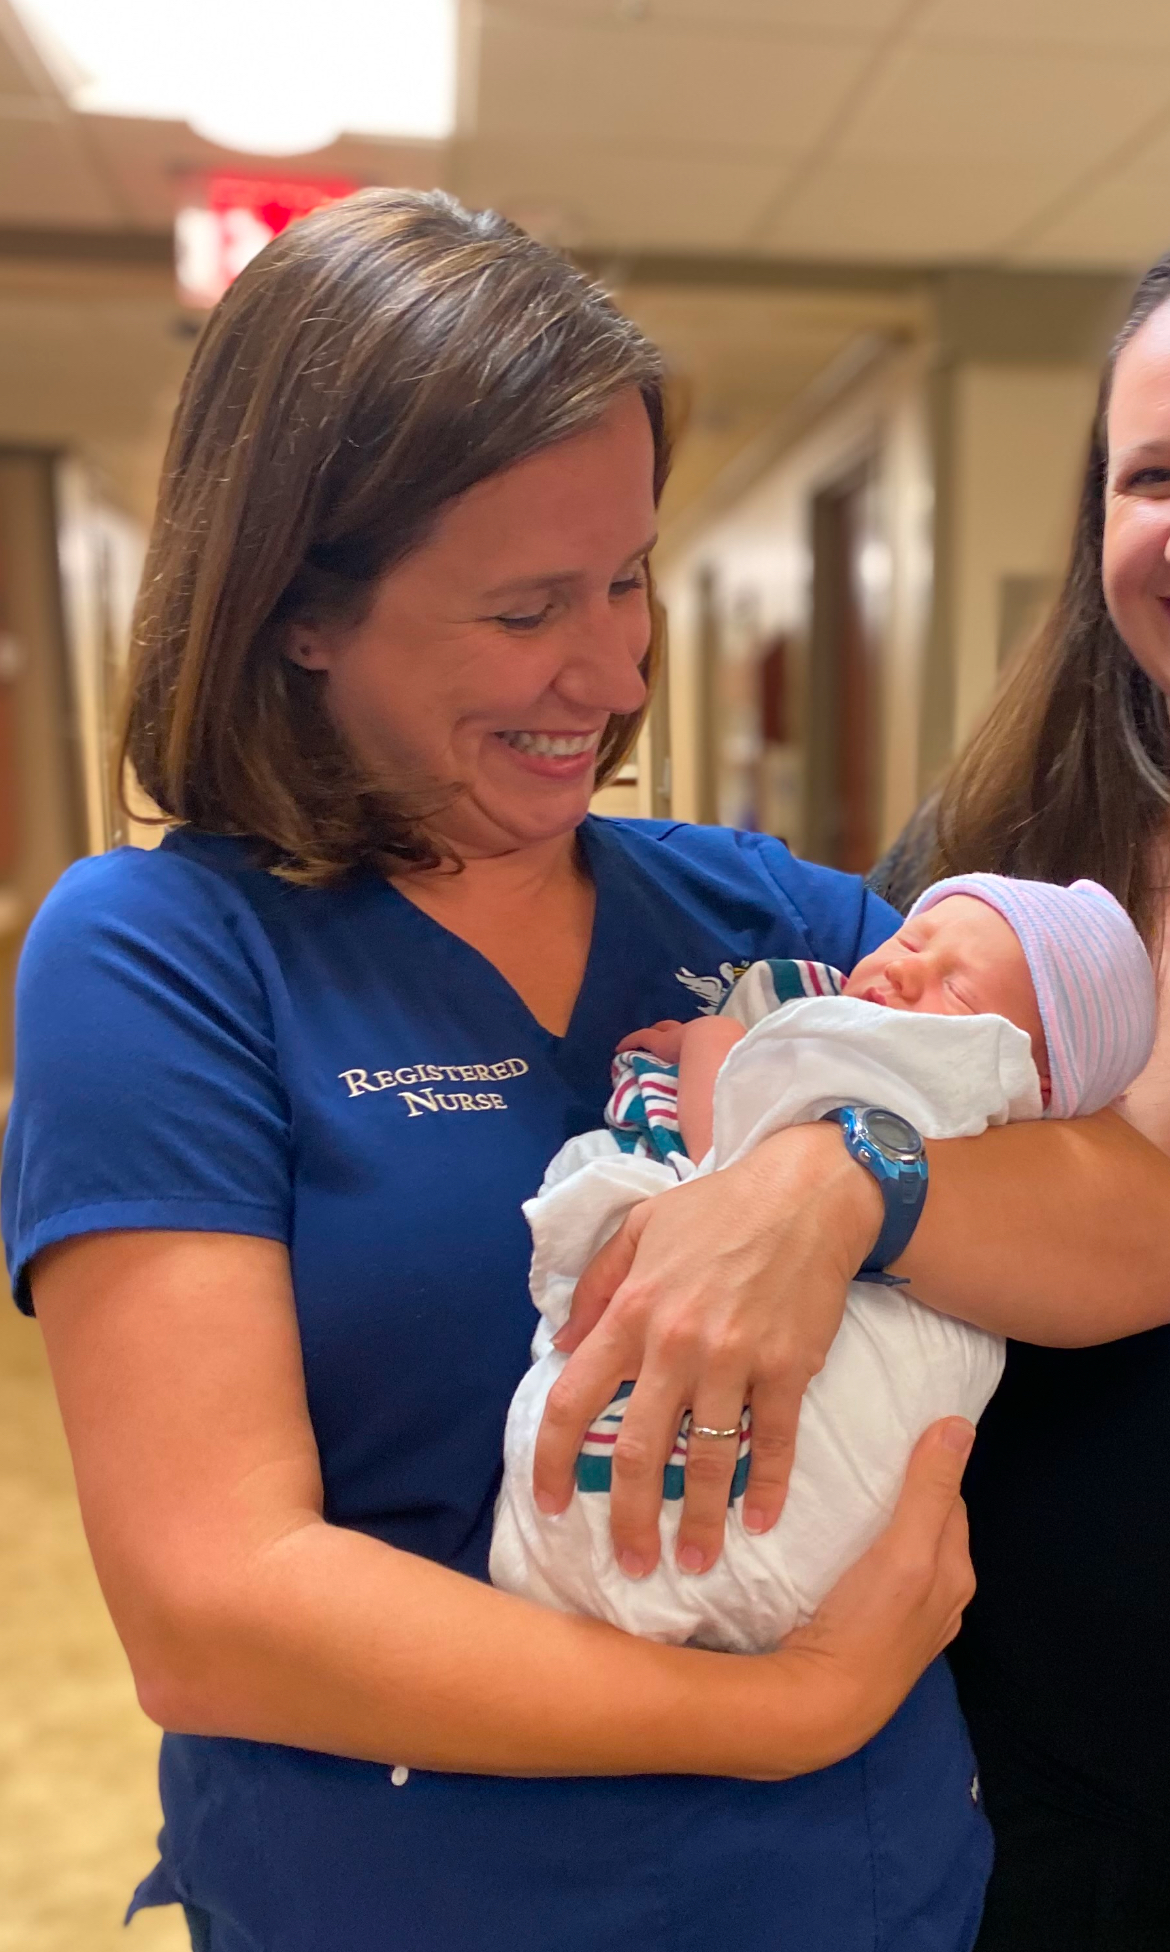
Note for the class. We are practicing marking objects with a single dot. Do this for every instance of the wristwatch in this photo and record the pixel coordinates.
(891, 1149)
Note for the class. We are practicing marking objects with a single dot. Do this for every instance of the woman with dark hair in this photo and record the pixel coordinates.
(1062, 1661)
(283, 1083)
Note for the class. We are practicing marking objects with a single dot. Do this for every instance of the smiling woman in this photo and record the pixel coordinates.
(1069, 774)
(283, 1084)
(1062, 1659)
(368, 519)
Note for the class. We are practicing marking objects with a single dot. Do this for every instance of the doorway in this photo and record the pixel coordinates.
(843, 698)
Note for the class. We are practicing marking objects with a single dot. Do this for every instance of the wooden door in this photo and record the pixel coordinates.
(843, 720)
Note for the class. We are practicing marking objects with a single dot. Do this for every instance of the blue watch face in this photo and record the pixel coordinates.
(892, 1150)
(893, 1136)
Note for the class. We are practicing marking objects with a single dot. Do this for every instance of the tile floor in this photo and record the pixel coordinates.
(78, 1805)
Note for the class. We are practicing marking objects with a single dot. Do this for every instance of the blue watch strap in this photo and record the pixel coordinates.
(904, 1194)
(902, 1180)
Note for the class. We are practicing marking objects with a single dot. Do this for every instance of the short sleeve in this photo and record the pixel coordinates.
(843, 919)
(146, 1090)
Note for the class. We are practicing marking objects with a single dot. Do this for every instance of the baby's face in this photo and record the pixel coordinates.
(959, 959)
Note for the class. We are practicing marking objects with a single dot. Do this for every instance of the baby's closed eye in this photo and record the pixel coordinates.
(962, 994)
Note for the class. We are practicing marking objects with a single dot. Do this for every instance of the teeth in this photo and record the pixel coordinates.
(547, 747)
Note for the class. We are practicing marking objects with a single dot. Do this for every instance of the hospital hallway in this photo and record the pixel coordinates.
(78, 1805)
(865, 260)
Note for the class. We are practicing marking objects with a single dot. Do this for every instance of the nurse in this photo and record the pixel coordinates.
(283, 1084)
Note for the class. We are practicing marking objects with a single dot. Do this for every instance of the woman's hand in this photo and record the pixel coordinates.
(728, 1289)
(893, 1612)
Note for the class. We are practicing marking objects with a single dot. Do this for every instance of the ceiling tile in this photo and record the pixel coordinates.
(915, 209)
(742, 346)
(558, 80)
(15, 79)
(977, 104)
(22, 67)
(1124, 220)
(601, 196)
(1114, 25)
(866, 18)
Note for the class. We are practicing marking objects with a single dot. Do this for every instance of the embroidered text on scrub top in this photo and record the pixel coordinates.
(415, 1085)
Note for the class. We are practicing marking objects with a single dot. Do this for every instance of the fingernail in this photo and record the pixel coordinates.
(754, 1520)
(546, 1503)
(632, 1564)
(958, 1435)
(559, 1337)
(692, 1558)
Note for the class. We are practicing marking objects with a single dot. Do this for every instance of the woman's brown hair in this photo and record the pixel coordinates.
(1069, 773)
(375, 361)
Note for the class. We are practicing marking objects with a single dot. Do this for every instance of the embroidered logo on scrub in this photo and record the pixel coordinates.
(712, 991)
(595, 1463)
(415, 1085)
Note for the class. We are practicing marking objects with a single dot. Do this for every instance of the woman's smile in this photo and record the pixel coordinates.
(553, 755)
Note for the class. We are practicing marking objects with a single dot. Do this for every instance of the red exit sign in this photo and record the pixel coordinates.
(236, 217)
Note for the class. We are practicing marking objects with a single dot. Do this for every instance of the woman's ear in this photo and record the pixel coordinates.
(308, 647)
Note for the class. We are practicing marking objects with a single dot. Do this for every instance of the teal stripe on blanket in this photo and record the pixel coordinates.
(595, 1474)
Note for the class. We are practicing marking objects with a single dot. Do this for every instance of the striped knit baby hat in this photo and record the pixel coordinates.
(1092, 977)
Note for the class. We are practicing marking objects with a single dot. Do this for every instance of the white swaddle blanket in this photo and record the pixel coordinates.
(893, 1368)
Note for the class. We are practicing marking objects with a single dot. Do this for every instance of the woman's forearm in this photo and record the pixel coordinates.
(244, 1613)
(337, 1642)
(334, 1641)
(1056, 1233)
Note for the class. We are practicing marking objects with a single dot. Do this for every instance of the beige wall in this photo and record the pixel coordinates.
(101, 555)
(1006, 481)
(91, 360)
(1019, 440)
(758, 550)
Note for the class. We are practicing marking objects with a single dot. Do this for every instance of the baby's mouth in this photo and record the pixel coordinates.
(873, 994)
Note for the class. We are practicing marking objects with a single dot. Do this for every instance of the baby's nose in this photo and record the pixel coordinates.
(906, 976)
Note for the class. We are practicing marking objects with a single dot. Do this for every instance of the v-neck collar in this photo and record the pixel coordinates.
(598, 859)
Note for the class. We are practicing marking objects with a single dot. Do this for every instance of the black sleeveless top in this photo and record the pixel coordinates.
(1064, 1656)
(1063, 1662)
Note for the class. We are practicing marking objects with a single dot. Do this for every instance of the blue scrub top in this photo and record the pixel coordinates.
(203, 1046)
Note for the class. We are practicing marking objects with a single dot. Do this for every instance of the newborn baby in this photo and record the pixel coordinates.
(996, 1000)
(956, 956)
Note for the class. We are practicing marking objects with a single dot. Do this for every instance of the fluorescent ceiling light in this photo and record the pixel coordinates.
(274, 77)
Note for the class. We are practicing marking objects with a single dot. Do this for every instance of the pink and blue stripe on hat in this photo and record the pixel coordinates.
(1092, 977)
